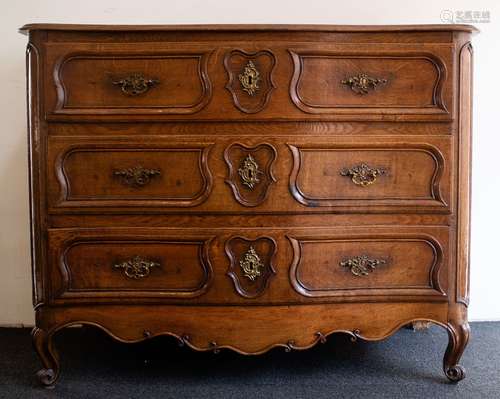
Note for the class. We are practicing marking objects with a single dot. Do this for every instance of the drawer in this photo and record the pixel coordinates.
(248, 175)
(131, 174)
(348, 80)
(248, 80)
(338, 265)
(87, 266)
(368, 174)
(130, 80)
(247, 265)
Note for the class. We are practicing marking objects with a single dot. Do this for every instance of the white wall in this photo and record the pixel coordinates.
(15, 284)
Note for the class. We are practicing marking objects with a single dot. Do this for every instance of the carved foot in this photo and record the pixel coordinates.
(42, 342)
(458, 336)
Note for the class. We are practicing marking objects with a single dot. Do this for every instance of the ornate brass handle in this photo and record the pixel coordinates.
(137, 176)
(362, 175)
(135, 84)
(362, 265)
(137, 267)
(249, 172)
(251, 264)
(361, 83)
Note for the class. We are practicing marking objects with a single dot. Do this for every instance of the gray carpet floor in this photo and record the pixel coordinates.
(406, 365)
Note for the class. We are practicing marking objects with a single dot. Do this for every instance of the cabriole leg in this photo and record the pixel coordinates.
(42, 342)
(458, 336)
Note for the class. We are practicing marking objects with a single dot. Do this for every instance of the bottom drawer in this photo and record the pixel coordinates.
(249, 266)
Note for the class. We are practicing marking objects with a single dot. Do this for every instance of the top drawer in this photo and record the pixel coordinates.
(262, 80)
(117, 82)
(344, 81)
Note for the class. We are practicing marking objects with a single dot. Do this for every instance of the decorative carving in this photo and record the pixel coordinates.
(135, 84)
(255, 175)
(362, 265)
(250, 79)
(361, 83)
(249, 172)
(137, 176)
(251, 264)
(137, 267)
(362, 175)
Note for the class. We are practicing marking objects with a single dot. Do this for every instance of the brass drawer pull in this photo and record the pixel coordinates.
(361, 83)
(135, 84)
(137, 176)
(362, 265)
(137, 267)
(363, 175)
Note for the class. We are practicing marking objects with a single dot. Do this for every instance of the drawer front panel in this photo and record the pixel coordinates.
(236, 80)
(100, 266)
(248, 175)
(363, 175)
(247, 265)
(122, 174)
(135, 82)
(346, 81)
(357, 265)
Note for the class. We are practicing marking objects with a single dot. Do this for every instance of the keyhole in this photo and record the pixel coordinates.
(249, 80)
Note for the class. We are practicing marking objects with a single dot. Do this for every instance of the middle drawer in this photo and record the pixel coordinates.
(366, 174)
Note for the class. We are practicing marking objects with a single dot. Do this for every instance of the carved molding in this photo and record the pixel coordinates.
(438, 105)
(66, 199)
(250, 82)
(250, 177)
(212, 346)
(465, 130)
(65, 292)
(202, 57)
(435, 200)
(251, 264)
(434, 289)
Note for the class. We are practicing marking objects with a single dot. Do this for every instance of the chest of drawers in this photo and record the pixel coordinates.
(249, 187)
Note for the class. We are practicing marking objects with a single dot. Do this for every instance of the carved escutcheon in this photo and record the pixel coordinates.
(250, 172)
(250, 78)
(251, 264)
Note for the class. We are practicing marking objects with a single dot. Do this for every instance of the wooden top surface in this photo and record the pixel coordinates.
(278, 27)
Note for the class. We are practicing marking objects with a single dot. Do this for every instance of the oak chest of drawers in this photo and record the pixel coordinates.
(249, 187)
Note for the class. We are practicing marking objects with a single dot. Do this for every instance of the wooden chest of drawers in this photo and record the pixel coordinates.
(249, 187)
